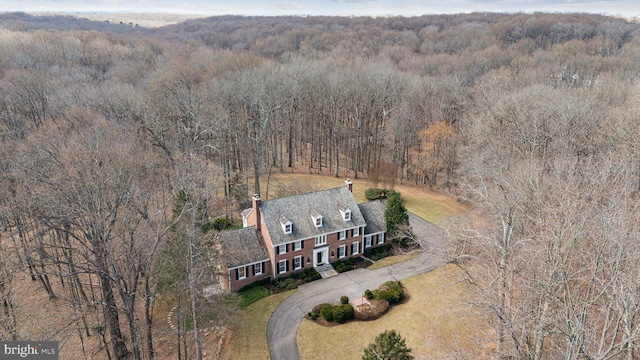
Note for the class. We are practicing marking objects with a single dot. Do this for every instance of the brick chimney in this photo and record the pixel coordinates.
(349, 184)
(256, 209)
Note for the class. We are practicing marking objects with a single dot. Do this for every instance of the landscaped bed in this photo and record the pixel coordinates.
(434, 321)
(370, 307)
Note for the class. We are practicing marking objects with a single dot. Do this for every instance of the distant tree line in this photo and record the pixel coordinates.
(117, 145)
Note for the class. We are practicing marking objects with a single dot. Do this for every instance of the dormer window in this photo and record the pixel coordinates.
(346, 212)
(287, 226)
(316, 217)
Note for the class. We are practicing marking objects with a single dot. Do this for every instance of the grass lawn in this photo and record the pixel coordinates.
(249, 339)
(431, 322)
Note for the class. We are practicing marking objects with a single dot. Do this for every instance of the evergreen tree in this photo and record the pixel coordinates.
(395, 214)
(388, 345)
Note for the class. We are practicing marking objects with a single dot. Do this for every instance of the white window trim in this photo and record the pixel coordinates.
(367, 242)
(297, 245)
(244, 273)
(342, 235)
(343, 249)
(282, 264)
(282, 249)
(346, 215)
(380, 238)
(356, 231)
(255, 268)
(355, 246)
(287, 227)
(321, 240)
(299, 265)
(317, 221)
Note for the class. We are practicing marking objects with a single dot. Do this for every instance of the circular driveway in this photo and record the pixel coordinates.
(284, 322)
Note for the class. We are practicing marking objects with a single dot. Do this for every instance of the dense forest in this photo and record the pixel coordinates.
(118, 143)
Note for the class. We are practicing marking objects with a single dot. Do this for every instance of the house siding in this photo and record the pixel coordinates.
(237, 284)
(306, 252)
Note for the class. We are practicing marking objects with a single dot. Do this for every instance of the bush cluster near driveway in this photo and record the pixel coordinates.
(292, 282)
(349, 264)
(333, 313)
(378, 253)
(258, 290)
(392, 291)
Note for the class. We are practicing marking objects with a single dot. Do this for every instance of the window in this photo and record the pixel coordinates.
(318, 222)
(355, 248)
(242, 273)
(380, 239)
(321, 240)
(297, 245)
(297, 263)
(355, 232)
(342, 251)
(257, 269)
(367, 241)
(288, 228)
(342, 235)
(281, 249)
(282, 266)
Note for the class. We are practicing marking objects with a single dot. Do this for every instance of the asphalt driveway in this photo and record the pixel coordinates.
(284, 322)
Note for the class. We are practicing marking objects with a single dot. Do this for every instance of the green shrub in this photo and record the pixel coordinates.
(349, 311)
(368, 294)
(393, 294)
(327, 312)
(288, 284)
(378, 252)
(343, 313)
(313, 316)
(310, 274)
(370, 194)
(291, 286)
(221, 223)
(344, 299)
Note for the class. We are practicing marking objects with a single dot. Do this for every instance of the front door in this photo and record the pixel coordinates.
(320, 256)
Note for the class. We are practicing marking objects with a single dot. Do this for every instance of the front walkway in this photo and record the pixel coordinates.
(284, 322)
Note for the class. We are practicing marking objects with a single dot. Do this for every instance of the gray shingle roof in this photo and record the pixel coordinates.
(373, 213)
(298, 210)
(243, 246)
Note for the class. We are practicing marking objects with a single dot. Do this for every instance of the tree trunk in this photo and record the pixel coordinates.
(110, 309)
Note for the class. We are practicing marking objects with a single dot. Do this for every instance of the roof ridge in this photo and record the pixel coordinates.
(306, 193)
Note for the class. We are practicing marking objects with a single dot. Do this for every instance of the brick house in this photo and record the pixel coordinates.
(289, 234)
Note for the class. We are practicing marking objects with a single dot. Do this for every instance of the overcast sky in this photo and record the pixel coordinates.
(628, 8)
